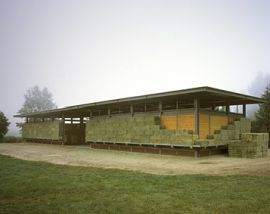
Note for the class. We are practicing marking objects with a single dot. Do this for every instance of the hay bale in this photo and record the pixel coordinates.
(251, 145)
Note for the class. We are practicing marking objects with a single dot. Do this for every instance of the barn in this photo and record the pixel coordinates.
(195, 122)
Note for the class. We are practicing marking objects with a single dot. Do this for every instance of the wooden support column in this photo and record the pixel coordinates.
(227, 108)
(27, 120)
(244, 110)
(196, 116)
(82, 131)
(177, 114)
(109, 112)
(160, 107)
(63, 129)
(131, 110)
(145, 109)
(91, 114)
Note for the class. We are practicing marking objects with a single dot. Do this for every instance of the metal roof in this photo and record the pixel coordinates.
(207, 95)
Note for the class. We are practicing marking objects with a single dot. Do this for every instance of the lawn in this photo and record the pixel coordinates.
(37, 187)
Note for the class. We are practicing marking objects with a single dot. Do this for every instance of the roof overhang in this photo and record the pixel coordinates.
(208, 96)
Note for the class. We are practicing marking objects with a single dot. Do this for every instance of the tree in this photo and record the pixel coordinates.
(3, 125)
(262, 123)
(36, 100)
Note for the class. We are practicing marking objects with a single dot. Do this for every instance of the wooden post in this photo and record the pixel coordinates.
(177, 114)
(27, 120)
(227, 108)
(131, 110)
(82, 137)
(160, 107)
(145, 107)
(91, 114)
(196, 115)
(63, 129)
(109, 112)
(244, 110)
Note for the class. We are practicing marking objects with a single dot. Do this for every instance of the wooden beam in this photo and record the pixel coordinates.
(131, 110)
(145, 109)
(160, 107)
(227, 108)
(196, 116)
(109, 112)
(244, 110)
(177, 114)
(81, 120)
(63, 129)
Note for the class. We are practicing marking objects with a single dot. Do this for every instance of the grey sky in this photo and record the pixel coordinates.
(86, 51)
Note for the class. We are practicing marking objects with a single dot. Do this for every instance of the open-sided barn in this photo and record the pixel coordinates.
(197, 121)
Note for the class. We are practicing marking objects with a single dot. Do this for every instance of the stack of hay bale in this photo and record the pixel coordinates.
(227, 133)
(41, 130)
(250, 145)
(138, 129)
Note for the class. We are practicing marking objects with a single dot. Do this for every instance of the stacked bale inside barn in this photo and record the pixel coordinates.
(227, 133)
(42, 130)
(139, 129)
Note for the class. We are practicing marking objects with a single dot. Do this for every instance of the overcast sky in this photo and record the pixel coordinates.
(87, 51)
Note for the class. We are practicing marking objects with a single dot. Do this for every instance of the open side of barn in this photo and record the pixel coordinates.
(196, 122)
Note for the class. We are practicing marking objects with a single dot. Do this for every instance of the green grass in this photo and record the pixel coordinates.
(37, 187)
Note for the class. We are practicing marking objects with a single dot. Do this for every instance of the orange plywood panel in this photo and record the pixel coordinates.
(216, 122)
(186, 122)
(204, 120)
(168, 122)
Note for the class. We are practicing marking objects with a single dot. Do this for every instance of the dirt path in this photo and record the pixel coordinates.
(155, 164)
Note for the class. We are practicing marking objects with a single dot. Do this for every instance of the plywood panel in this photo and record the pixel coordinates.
(217, 121)
(186, 122)
(169, 122)
(204, 120)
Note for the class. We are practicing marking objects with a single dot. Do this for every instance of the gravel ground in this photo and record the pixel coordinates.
(148, 163)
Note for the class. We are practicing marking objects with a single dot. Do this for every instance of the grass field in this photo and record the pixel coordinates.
(37, 187)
